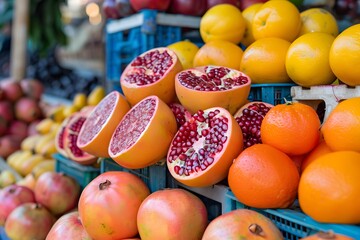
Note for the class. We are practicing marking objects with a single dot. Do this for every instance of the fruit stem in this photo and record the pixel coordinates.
(257, 230)
(287, 102)
(104, 185)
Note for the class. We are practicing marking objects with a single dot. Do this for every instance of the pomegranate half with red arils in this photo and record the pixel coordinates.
(144, 134)
(212, 86)
(204, 148)
(180, 113)
(249, 117)
(151, 73)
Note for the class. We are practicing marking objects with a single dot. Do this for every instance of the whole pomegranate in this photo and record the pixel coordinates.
(211, 3)
(68, 226)
(27, 109)
(188, 7)
(160, 5)
(57, 192)
(6, 110)
(9, 144)
(12, 89)
(32, 88)
(29, 221)
(18, 128)
(11, 197)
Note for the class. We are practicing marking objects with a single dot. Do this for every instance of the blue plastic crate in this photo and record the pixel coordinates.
(293, 223)
(3, 235)
(274, 94)
(154, 176)
(128, 37)
(82, 174)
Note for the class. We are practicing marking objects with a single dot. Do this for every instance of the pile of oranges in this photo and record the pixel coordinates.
(300, 157)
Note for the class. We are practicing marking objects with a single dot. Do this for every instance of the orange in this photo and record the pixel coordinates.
(291, 127)
(222, 22)
(249, 14)
(264, 61)
(321, 149)
(341, 130)
(185, 51)
(344, 56)
(264, 177)
(219, 53)
(318, 20)
(329, 189)
(279, 19)
(307, 60)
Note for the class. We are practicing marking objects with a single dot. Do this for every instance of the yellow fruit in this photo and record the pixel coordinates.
(26, 165)
(29, 142)
(28, 181)
(222, 22)
(219, 53)
(185, 50)
(279, 19)
(68, 110)
(44, 126)
(49, 149)
(96, 95)
(318, 20)
(307, 60)
(344, 56)
(7, 178)
(16, 158)
(42, 167)
(43, 142)
(80, 100)
(264, 61)
(57, 114)
(249, 14)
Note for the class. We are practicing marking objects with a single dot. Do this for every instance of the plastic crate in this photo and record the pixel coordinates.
(274, 94)
(128, 37)
(154, 176)
(3, 235)
(82, 174)
(293, 223)
(213, 197)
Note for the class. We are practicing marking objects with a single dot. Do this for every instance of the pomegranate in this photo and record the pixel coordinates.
(330, 235)
(160, 5)
(180, 113)
(242, 224)
(110, 10)
(124, 8)
(18, 128)
(249, 117)
(32, 88)
(247, 3)
(172, 214)
(212, 86)
(188, 7)
(96, 132)
(61, 135)
(11, 197)
(12, 89)
(109, 204)
(70, 137)
(68, 226)
(29, 221)
(204, 147)
(151, 73)
(9, 144)
(148, 122)
(6, 110)
(57, 192)
(27, 110)
(211, 3)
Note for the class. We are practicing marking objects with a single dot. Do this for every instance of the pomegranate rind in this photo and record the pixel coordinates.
(230, 99)
(153, 143)
(219, 169)
(99, 144)
(164, 88)
(87, 158)
(61, 139)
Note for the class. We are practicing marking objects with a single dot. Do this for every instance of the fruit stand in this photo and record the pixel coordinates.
(212, 122)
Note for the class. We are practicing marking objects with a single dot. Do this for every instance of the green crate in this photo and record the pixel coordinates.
(82, 174)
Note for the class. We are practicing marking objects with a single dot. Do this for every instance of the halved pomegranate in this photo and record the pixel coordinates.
(70, 140)
(151, 73)
(249, 117)
(212, 86)
(180, 113)
(96, 132)
(61, 136)
(144, 134)
(204, 147)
